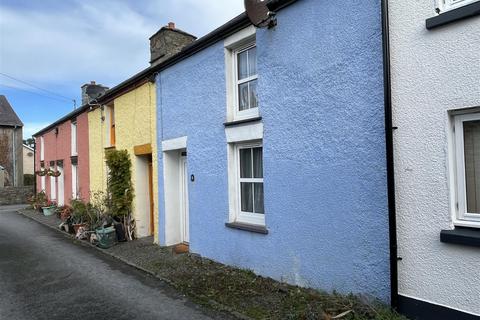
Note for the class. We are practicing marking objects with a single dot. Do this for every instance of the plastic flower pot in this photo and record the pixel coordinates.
(106, 237)
(48, 211)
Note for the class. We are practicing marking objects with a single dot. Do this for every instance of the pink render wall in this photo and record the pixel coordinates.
(58, 147)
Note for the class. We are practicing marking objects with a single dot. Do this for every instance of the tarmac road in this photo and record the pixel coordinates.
(44, 275)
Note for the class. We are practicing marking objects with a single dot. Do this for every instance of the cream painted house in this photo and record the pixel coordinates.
(126, 121)
(28, 165)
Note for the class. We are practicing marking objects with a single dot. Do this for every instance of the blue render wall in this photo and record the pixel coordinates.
(321, 99)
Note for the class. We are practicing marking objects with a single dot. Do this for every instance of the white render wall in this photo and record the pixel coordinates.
(433, 71)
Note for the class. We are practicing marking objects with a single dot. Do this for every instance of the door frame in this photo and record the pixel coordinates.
(183, 198)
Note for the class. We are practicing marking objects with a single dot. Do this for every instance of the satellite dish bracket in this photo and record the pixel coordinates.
(259, 14)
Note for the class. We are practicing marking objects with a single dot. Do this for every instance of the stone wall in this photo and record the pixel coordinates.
(10, 137)
(15, 195)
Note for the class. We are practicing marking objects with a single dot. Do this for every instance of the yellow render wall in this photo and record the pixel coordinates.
(96, 139)
(135, 124)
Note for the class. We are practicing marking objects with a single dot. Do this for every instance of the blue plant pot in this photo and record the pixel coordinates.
(48, 211)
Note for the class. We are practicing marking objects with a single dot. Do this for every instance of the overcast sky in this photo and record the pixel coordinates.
(60, 45)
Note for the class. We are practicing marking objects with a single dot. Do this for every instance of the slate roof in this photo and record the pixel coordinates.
(8, 117)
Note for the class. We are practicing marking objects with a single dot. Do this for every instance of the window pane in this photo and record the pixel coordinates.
(471, 131)
(252, 61)
(242, 60)
(258, 189)
(247, 196)
(243, 96)
(253, 94)
(257, 163)
(245, 163)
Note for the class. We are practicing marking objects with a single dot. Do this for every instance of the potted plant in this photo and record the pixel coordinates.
(49, 208)
(79, 214)
(64, 213)
(38, 201)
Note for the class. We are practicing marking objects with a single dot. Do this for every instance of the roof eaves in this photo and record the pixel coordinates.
(237, 23)
(65, 118)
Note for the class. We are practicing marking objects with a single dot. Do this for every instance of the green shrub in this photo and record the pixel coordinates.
(79, 211)
(28, 179)
(119, 183)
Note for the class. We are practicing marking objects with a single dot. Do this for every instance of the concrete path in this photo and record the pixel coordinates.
(44, 275)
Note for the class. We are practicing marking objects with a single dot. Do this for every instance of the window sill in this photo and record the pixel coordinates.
(110, 148)
(460, 13)
(247, 227)
(238, 122)
(462, 236)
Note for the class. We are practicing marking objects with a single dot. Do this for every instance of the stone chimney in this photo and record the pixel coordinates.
(91, 91)
(167, 42)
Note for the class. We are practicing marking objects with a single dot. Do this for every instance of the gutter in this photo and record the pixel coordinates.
(34, 167)
(392, 219)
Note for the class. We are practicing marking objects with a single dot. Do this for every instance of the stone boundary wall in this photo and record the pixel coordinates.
(15, 195)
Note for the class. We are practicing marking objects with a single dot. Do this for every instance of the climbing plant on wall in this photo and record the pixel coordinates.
(120, 188)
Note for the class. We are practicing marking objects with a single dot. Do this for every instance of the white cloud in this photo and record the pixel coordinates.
(106, 41)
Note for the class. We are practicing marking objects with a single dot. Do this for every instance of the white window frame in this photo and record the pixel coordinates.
(447, 5)
(74, 181)
(108, 110)
(74, 149)
(236, 213)
(251, 112)
(235, 44)
(461, 217)
(42, 149)
(53, 186)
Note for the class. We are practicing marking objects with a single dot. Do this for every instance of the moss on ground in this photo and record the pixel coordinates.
(210, 283)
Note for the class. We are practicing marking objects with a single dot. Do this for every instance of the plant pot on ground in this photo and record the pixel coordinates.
(49, 210)
(78, 215)
(106, 237)
(64, 213)
(38, 201)
(119, 230)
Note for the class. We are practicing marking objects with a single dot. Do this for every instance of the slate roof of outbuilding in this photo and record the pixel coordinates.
(8, 117)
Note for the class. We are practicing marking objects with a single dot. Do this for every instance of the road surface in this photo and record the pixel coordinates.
(44, 275)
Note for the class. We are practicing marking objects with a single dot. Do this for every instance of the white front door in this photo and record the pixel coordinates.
(53, 187)
(61, 187)
(184, 199)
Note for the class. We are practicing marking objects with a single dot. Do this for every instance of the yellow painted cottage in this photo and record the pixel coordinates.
(124, 118)
(126, 121)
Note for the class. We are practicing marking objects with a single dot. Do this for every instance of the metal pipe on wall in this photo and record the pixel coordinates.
(14, 156)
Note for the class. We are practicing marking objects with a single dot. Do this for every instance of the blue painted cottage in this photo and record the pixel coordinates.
(272, 147)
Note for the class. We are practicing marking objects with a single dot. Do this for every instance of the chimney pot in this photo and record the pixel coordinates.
(171, 25)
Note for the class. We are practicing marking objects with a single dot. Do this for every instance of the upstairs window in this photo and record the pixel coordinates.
(42, 149)
(241, 75)
(110, 116)
(467, 160)
(246, 81)
(74, 138)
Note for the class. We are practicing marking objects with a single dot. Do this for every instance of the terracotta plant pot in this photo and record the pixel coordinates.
(76, 226)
